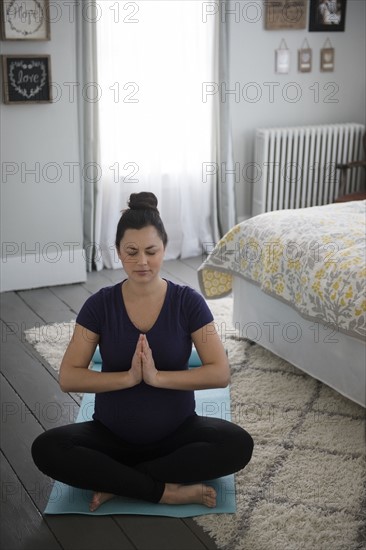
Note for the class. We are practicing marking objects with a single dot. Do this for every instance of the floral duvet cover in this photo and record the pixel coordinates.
(312, 258)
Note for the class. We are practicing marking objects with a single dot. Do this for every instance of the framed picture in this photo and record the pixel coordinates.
(327, 15)
(327, 59)
(282, 14)
(304, 60)
(25, 20)
(282, 61)
(26, 78)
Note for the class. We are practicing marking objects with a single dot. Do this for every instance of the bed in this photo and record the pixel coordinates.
(298, 284)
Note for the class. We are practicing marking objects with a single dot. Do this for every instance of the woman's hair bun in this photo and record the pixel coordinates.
(142, 212)
(143, 201)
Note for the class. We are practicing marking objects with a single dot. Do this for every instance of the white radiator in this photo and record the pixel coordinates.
(296, 167)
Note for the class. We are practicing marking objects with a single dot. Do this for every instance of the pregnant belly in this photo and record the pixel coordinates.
(143, 414)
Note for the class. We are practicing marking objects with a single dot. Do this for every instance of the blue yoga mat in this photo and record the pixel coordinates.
(64, 499)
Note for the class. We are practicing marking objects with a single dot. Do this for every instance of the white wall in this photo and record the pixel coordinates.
(340, 97)
(41, 228)
(45, 217)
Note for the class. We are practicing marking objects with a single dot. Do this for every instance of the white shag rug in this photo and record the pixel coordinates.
(305, 487)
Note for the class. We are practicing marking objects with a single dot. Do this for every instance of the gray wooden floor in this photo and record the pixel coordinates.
(33, 402)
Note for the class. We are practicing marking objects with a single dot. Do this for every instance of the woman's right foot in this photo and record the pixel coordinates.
(98, 499)
(189, 494)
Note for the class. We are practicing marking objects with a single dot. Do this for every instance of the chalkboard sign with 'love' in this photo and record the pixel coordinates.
(26, 78)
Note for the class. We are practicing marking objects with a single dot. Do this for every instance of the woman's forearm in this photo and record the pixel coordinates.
(198, 378)
(79, 379)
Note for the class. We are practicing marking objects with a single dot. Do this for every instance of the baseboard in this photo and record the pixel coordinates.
(39, 270)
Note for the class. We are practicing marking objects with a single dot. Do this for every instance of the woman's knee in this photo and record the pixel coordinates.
(247, 445)
(241, 447)
(233, 439)
(44, 450)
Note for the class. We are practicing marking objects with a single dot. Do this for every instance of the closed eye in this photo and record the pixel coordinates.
(134, 252)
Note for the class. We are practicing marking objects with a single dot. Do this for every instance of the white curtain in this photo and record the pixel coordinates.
(156, 132)
(89, 132)
(225, 177)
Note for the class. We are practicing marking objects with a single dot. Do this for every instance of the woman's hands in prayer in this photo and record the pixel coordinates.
(213, 373)
(136, 364)
(143, 366)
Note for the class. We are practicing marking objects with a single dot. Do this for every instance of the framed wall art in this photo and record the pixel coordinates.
(304, 60)
(25, 20)
(26, 79)
(282, 58)
(327, 15)
(327, 60)
(282, 14)
(304, 57)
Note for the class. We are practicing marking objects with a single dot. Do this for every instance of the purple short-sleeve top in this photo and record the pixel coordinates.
(144, 414)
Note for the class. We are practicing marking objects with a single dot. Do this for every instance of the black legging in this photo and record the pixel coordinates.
(88, 455)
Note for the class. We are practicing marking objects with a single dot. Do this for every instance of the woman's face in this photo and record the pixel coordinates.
(141, 252)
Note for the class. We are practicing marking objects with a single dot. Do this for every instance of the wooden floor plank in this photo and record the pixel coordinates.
(73, 296)
(95, 281)
(83, 532)
(183, 273)
(16, 314)
(19, 429)
(37, 388)
(150, 532)
(207, 541)
(22, 525)
(47, 305)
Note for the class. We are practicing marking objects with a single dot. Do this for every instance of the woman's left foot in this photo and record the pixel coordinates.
(99, 499)
(197, 493)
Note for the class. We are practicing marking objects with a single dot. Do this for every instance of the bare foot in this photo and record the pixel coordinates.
(189, 494)
(99, 499)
